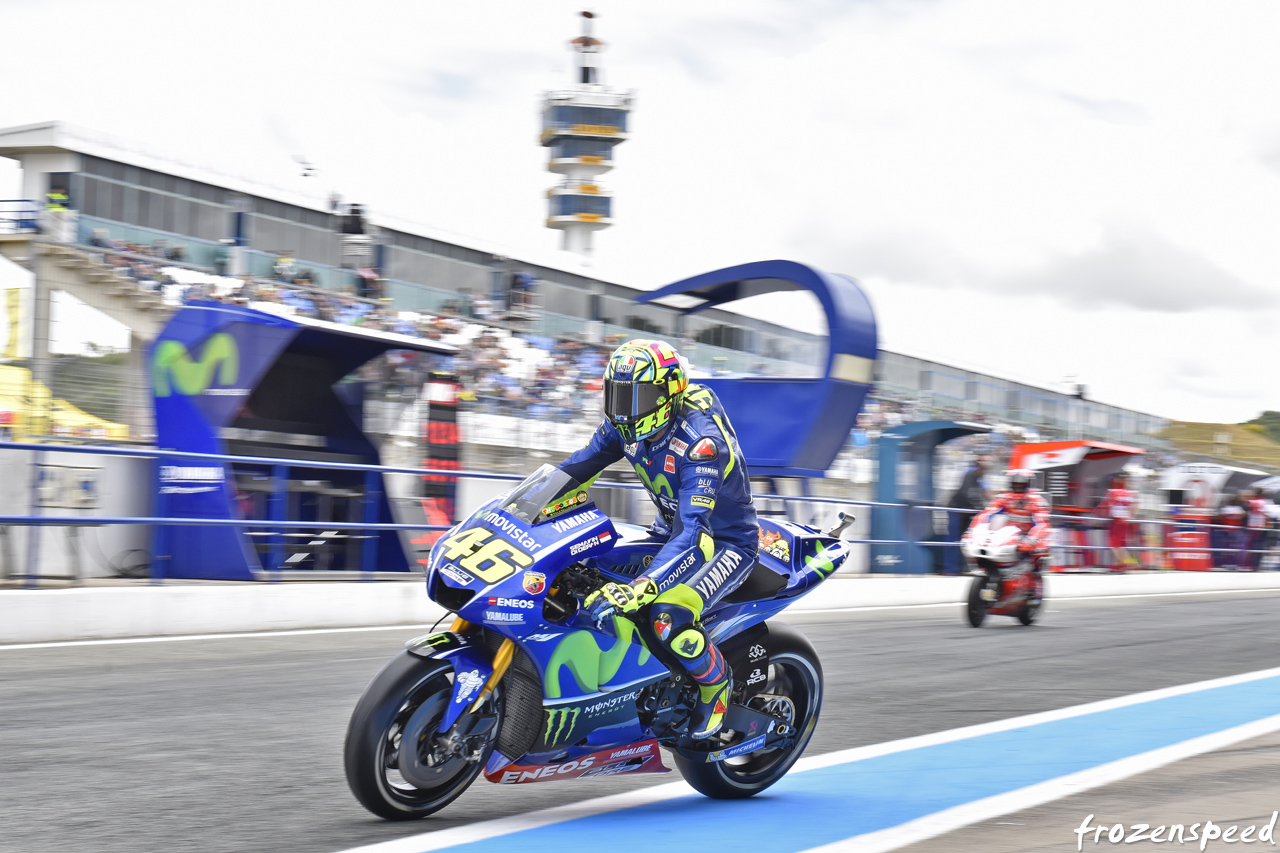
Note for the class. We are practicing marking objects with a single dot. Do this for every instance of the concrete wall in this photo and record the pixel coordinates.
(52, 615)
(124, 489)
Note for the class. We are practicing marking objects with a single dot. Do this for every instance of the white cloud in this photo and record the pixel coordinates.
(1104, 173)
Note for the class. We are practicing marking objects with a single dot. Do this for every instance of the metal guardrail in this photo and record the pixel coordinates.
(280, 465)
(19, 216)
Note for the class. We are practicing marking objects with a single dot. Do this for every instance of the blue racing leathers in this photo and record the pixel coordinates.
(696, 476)
(703, 503)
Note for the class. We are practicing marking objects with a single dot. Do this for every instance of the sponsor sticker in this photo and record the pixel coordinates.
(757, 652)
(718, 574)
(519, 603)
(534, 582)
(756, 677)
(564, 525)
(456, 574)
(585, 545)
(703, 500)
(669, 465)
(708, 470)
(502, 616)
(733, 751)
(468, 683)
(637, 758)
(704, 451)
(679, 446)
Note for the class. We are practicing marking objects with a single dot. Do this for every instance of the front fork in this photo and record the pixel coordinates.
(464, 726)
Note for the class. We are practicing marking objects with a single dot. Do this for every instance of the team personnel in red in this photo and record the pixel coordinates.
(1257, 519)
(1119, 506)
(1027, 509)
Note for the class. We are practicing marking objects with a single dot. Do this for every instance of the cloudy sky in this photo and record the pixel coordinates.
(1035, 189)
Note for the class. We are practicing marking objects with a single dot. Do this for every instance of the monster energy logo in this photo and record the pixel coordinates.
(560, 723)
(173, 368)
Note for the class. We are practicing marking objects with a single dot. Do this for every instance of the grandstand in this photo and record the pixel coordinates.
(339, 262)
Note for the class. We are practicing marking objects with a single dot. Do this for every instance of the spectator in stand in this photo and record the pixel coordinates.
(971, 495)
(1118, 506)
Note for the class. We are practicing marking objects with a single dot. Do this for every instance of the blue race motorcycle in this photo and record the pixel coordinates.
(525, 687)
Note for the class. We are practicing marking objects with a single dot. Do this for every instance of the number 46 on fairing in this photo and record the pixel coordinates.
(487, 556)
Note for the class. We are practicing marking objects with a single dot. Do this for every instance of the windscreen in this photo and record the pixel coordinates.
(544, 494)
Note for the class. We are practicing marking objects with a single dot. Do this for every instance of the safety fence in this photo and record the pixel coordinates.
(1151, 546)
(18, 216)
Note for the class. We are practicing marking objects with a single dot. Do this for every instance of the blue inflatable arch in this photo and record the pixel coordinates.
(792, 426)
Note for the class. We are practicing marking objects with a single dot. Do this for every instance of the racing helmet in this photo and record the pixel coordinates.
(1020, 479)
(644, 382)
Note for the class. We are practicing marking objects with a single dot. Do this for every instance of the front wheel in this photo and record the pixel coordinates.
(793, 692)
(981, 597)
(398, 766)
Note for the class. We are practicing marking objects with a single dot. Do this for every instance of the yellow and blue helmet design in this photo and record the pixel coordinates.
(644, 382)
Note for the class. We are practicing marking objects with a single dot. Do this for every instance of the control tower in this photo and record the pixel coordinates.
(581, 125)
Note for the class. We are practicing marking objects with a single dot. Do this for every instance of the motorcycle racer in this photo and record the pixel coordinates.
(678, 439)
(1027, 509)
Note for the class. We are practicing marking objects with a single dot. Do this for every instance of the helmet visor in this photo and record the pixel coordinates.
(627, 402)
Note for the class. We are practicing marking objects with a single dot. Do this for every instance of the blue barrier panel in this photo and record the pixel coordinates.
(227, 378)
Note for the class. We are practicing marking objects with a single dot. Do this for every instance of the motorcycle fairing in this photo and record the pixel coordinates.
(472, 666)
(632, 553)
(642, 757)
(581, 663)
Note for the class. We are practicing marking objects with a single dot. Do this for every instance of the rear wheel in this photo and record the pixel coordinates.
(398, 766)
(793, 693)
(1031, 609)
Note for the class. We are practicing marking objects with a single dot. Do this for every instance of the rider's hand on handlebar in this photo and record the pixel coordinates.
(620, 598)
(1027, 544)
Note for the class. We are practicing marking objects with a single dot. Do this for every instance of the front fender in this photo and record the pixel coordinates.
(472, 665)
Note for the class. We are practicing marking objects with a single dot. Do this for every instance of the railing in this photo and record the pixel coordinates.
(280, 468)
(19, 216)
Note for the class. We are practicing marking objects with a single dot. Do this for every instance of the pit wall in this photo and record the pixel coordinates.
(107, 613)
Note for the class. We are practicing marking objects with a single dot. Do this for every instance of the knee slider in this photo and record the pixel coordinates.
(689, 644)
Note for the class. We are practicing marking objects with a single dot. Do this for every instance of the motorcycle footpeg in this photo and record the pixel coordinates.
(757, 731)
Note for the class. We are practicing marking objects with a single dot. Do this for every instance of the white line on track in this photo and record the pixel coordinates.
(177, 638)
(1061, 600)
(302, 632)
(968, 813)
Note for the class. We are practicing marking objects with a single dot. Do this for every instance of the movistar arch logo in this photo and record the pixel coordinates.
(173, 368)
(589, 665)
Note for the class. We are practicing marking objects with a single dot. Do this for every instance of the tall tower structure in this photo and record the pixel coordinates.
(581, 125)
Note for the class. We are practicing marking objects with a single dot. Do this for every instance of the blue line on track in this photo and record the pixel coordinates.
(829, 804)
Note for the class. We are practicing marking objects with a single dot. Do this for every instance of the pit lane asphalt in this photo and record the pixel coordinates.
(235, 744)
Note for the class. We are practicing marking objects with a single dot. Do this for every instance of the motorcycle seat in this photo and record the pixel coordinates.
(762, 583)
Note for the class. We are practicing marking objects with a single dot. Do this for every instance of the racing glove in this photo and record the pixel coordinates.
(1027, 544)
(620, 598)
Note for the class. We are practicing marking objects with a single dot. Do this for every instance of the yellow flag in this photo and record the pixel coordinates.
(13, 311)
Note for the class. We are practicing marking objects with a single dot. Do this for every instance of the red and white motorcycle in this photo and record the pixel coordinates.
(1007, 582)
